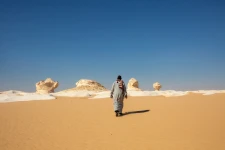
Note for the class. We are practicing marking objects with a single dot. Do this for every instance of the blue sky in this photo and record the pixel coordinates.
(179, 43)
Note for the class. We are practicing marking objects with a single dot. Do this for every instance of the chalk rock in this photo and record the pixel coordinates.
(46, 86)
(157, 86)
(133, 85)
(87, 85)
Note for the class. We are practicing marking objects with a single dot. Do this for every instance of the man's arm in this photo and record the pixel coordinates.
(125, 90)
(112, 90)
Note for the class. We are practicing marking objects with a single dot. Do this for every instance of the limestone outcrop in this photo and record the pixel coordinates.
(87, 85)
(133, 85)
(157, 86)
(46, 86)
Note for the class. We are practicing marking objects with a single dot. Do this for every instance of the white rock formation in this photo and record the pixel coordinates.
(133, 85)
(157, 86)
(87, 85)
(47, 86)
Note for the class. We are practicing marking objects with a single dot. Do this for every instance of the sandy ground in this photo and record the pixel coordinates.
(192, 122)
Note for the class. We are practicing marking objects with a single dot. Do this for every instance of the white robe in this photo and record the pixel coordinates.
(118, 96)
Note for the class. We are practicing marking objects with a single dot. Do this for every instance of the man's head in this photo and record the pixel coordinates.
(119, 77)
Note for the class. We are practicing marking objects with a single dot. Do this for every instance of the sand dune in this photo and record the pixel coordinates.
(191, 122)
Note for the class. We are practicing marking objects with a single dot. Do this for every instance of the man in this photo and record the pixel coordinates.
(118, 92)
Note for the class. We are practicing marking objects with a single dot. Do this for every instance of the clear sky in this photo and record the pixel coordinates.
(179, 43)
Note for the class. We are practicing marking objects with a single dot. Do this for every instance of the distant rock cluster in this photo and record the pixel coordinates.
(48, 86)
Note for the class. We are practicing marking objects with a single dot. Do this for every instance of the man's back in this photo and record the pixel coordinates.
(117, 91)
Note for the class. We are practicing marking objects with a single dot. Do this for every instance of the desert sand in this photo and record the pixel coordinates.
(190, 122)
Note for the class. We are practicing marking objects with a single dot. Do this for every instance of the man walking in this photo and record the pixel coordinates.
(118, 92)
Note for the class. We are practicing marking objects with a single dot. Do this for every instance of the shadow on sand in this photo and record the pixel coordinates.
(136, 112)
